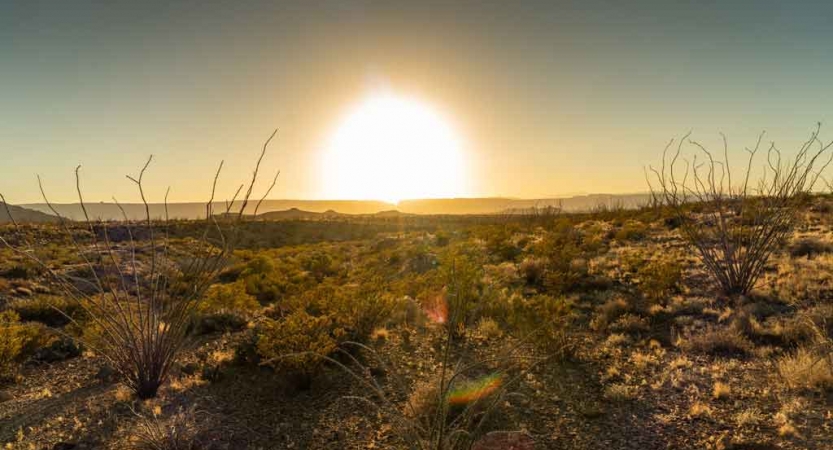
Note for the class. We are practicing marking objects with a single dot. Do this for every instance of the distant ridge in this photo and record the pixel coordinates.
(303, 209)
(21, 214)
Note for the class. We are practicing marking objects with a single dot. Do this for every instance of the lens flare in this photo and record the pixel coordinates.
(475, 390)
(437, 309)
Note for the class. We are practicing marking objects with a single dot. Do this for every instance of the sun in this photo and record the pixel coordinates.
(392, 148)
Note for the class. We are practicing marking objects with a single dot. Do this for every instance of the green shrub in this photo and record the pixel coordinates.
(228, 298)
(320, 265)
(566, 263)
(17, 342)
(359, 314)
(631, 231)
(462, 276)
(542, 319)
(220, 322)
(296, 343)
(608, 312)
(659, 279)
(532, 270)
(50, 311)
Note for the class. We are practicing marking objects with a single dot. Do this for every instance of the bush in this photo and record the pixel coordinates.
(532, 270)
(17, 342)
(566, 263)
(659, 279)
(180, 431)
(358, 315)
(232, 297)
(630, 323)
(806, 370)
(462, 275)
(50, 311)
(21, 272)
(718, 341)
(542, 318)
(320, 265)
(220, 322)
(733, 227)
(608, 312)
(809, 247)
(631, 231)
(296, 343)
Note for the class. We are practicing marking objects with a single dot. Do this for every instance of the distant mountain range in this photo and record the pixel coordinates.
(304, 209)
(24, 215)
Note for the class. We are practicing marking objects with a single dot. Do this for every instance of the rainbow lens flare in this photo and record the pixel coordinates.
(475, 390)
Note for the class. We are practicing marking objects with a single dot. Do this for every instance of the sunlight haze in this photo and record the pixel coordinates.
(547, 98)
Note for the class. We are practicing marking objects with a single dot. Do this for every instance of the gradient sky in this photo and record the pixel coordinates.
(551, 97)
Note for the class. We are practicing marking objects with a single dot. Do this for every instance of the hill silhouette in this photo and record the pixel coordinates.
(285, 209)
(21, 214)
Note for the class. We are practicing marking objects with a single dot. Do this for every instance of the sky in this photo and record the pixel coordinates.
(550, 98)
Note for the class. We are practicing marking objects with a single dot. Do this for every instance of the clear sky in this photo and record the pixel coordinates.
(550, 98)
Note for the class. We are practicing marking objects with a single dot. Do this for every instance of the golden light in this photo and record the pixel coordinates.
(393, 148)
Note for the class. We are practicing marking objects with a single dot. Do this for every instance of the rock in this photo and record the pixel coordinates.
(5, 397)
(59, 350)
(190, 368)
(23, 292)
(106, 374)
(64, 446)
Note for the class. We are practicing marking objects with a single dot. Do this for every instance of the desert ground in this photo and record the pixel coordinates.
(591, 331)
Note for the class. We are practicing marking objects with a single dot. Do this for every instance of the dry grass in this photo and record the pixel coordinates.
(620, 392)
(806, 369)
(700, 409)
(717, 341)
(177, 432)
(607, 313)
(721, 391)
(488, 329)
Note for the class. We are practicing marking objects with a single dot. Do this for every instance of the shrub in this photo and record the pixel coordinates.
(542, 320)
(499, 243)
(630, 323)
(320, 265)
(735, 225)
(177, 432)
(50, 311)
(721, 391)
(620, 392)
(488, 329)
(806, 369)
(718, 341)
(296, 344)
(566, 267)
(462, 276)
(809, 247)
(358, 315)
(632, 231)
(608, 312)
(220, 322)
(228, 298)
(659, 279)
(17, 342)
(532, 270)
(156, 278)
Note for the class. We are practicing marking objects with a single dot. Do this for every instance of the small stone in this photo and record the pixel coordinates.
(106, 374)
(5, 397)
(190, 368)
(64, 446)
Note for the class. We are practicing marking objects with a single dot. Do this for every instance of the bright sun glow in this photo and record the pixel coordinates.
(393, 148)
